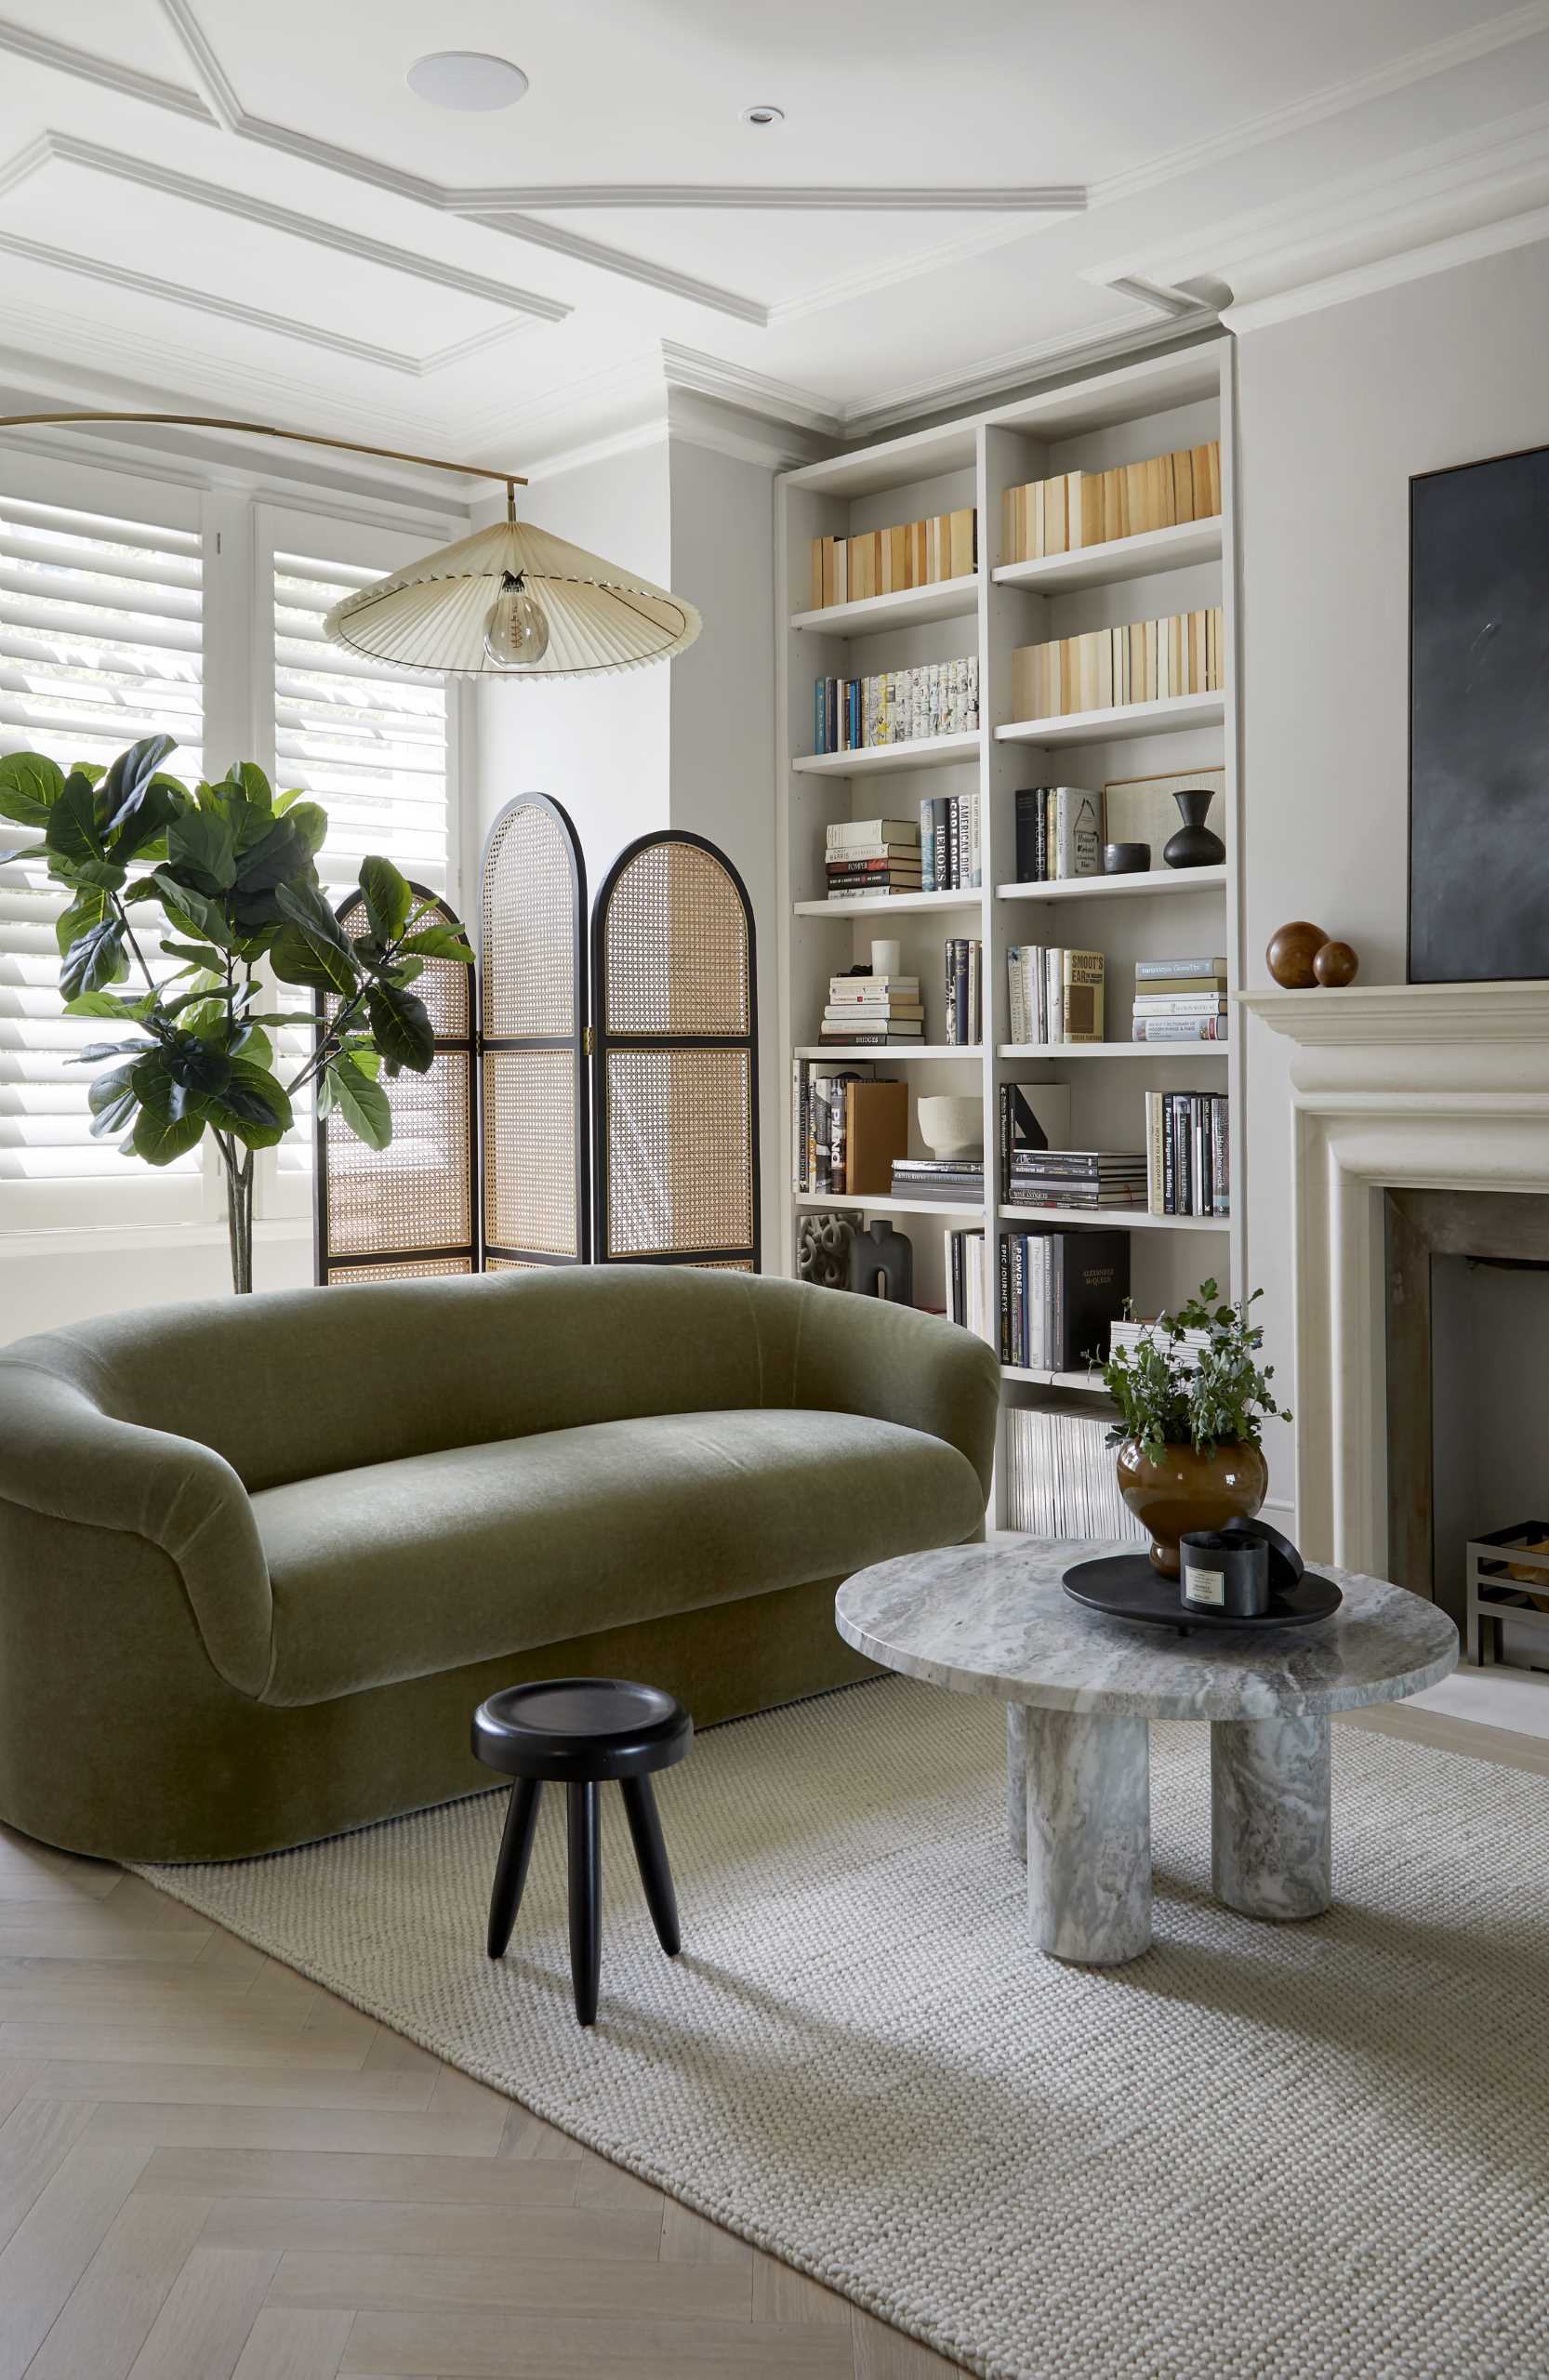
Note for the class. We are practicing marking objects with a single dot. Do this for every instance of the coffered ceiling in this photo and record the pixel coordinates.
(248, 208)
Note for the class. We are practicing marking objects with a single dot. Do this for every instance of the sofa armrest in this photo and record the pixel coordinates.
(860, 1355)
(62, 1456)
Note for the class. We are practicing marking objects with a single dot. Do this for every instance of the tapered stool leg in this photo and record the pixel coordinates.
(639, 1806)
(510, 1868)
(586, 1878)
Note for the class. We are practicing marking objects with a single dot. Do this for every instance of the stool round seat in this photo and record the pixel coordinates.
(582, 1730)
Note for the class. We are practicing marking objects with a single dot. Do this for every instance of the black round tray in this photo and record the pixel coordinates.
(1126, 1586)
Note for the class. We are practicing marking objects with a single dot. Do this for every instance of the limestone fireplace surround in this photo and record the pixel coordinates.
(1422, 1085)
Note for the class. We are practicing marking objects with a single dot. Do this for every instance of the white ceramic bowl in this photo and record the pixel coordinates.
(952, 1127)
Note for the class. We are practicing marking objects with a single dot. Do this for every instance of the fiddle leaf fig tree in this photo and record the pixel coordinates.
(223, 880)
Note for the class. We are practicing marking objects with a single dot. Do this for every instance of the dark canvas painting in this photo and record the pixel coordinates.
(1479, 722)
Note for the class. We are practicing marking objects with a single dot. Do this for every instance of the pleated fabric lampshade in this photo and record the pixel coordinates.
(434, 614)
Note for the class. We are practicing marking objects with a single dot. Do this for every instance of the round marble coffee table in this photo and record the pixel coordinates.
(1080, 1689)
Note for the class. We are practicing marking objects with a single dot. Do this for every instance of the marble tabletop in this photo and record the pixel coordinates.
(996, 1619)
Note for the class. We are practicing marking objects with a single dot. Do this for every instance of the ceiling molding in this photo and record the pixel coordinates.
(1176, 304)
(224, 200)
(208, 72)
(998, 374)
(85, 66)
(1336, 99)
(696, 419)
(1389, 272)
(623, 263)
(711, 376)
(832, 198)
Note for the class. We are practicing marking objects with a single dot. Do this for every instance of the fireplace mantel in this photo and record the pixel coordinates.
(1403, 1085)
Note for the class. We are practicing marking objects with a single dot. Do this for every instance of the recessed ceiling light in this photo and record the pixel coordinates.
(763, 114)
(468, 79)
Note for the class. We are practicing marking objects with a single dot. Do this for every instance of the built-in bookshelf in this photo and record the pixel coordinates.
(1177, 400)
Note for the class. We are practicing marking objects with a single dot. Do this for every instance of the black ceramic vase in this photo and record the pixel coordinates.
(1194, 845)
(881, 1264)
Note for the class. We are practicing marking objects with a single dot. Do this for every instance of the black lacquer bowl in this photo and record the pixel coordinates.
(1126, 1586)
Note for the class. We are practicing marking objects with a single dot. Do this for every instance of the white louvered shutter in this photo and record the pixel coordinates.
(100, 644)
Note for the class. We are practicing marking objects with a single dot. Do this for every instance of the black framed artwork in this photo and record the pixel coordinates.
(1479, 722)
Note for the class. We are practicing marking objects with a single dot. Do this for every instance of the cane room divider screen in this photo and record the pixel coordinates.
(539, 1137)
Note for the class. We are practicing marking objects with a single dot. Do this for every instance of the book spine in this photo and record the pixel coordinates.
(1153, 1179)
(1179, 1029)
(1148, 968)
(1221, 1126)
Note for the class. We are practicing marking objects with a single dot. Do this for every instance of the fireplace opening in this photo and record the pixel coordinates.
(1468, 1408)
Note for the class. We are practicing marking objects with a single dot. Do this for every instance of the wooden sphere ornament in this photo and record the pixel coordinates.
(1335, 965)
(1293, 949)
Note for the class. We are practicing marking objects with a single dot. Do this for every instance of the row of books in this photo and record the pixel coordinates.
(1144, 661)
(1086, 1180)
(819, 1123)
(863, 857)
(1077, 509)
(881, 562)
(951, 857)
(1059, 832)
(866, 1010)
(1062, 1480)
(1189, 1154)
(895, 705)
(1127, 1333)
(939, 1181)
(1060, 1291)
(1056, 994)
(963, 1270)
(1180, 999)
(964, 995)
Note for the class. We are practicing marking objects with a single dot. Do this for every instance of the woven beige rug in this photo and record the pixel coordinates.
(1305, 2152)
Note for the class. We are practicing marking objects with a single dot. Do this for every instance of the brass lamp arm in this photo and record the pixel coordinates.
(509, 481)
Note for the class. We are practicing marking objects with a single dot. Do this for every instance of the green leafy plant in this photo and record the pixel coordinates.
(224, 877)
(1169, 1394)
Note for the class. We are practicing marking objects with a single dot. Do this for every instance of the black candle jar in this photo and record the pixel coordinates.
(1225, 1574)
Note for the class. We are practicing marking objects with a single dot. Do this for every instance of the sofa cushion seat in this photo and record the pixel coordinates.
(401, 1569)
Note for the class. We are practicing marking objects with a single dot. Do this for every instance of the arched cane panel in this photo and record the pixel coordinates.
(533, 1039)
(406, 1211)
(675, 1080)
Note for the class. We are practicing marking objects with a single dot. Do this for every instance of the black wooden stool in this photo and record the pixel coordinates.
(579, 1732)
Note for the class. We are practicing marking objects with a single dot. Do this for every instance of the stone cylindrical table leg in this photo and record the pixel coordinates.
(1088, 1836)
(1017, 1716)
(1269, 1815)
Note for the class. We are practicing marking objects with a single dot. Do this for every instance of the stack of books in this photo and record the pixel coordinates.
(964, 1002)
(1180, 999)
(950, 859)
(1059, 833)
(1188, 1153)
(1063, 1480)
(1031, 1116)
(881, 562)
(963, 1268)
(1079, 508)
(1127, 1333)
(949, 1181)
(1060, 1292)
(1084, 1179)
(895, 706)
(866, 1009)
(1056, 994)
(1145, 661)
(866, 858)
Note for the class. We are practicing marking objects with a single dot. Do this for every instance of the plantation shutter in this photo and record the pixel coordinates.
(373, 745)
(101, 641)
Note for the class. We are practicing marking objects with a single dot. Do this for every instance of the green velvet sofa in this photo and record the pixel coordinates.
(260, 1557)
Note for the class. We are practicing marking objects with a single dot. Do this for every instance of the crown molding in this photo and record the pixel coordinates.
(1389, 272)
(998, 374)
(1336, 99)
(211, 76)
(85, 66)
(710, 376)
(824, 198)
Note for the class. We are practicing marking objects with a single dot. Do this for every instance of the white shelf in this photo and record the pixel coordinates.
(891, 1049)
(868, 904)
(1137, 557)
(885, 1205)
(1120, 720)
(1091, 1382)
(948, 599)
(1115, 1218)
(900, 462)
(1120, 887)
(1113, 1049)
(878, 760)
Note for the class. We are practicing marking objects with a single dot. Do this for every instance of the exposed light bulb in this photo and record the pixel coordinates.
(516, 633)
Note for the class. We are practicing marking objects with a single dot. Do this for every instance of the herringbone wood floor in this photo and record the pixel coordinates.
(210, 2168)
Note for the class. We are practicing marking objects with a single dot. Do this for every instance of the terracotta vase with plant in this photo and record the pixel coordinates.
(1190, 1420)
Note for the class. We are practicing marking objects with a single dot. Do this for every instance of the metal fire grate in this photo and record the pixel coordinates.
(409, 1211)
(533, 1013)
(1508, 1590)
(675, 1081)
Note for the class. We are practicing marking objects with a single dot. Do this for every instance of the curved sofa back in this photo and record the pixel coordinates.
(293, 1384)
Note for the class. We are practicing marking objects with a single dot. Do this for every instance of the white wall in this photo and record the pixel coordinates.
(47, 1282)
(1337, 410)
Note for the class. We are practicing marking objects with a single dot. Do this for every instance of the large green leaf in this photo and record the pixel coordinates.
(310, 821)
(160, 1135)
(193, 911)
(334, 959)
(87, 910)
(122, 1010)
(128, 779)
(387, 898)
(94, 961)
(30, 785)
(362, 1103)
(113, 1100)
(400, 1027)
(437, 942)
(297, 960)
(74, 830)
(202, 848)
(142, 835)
